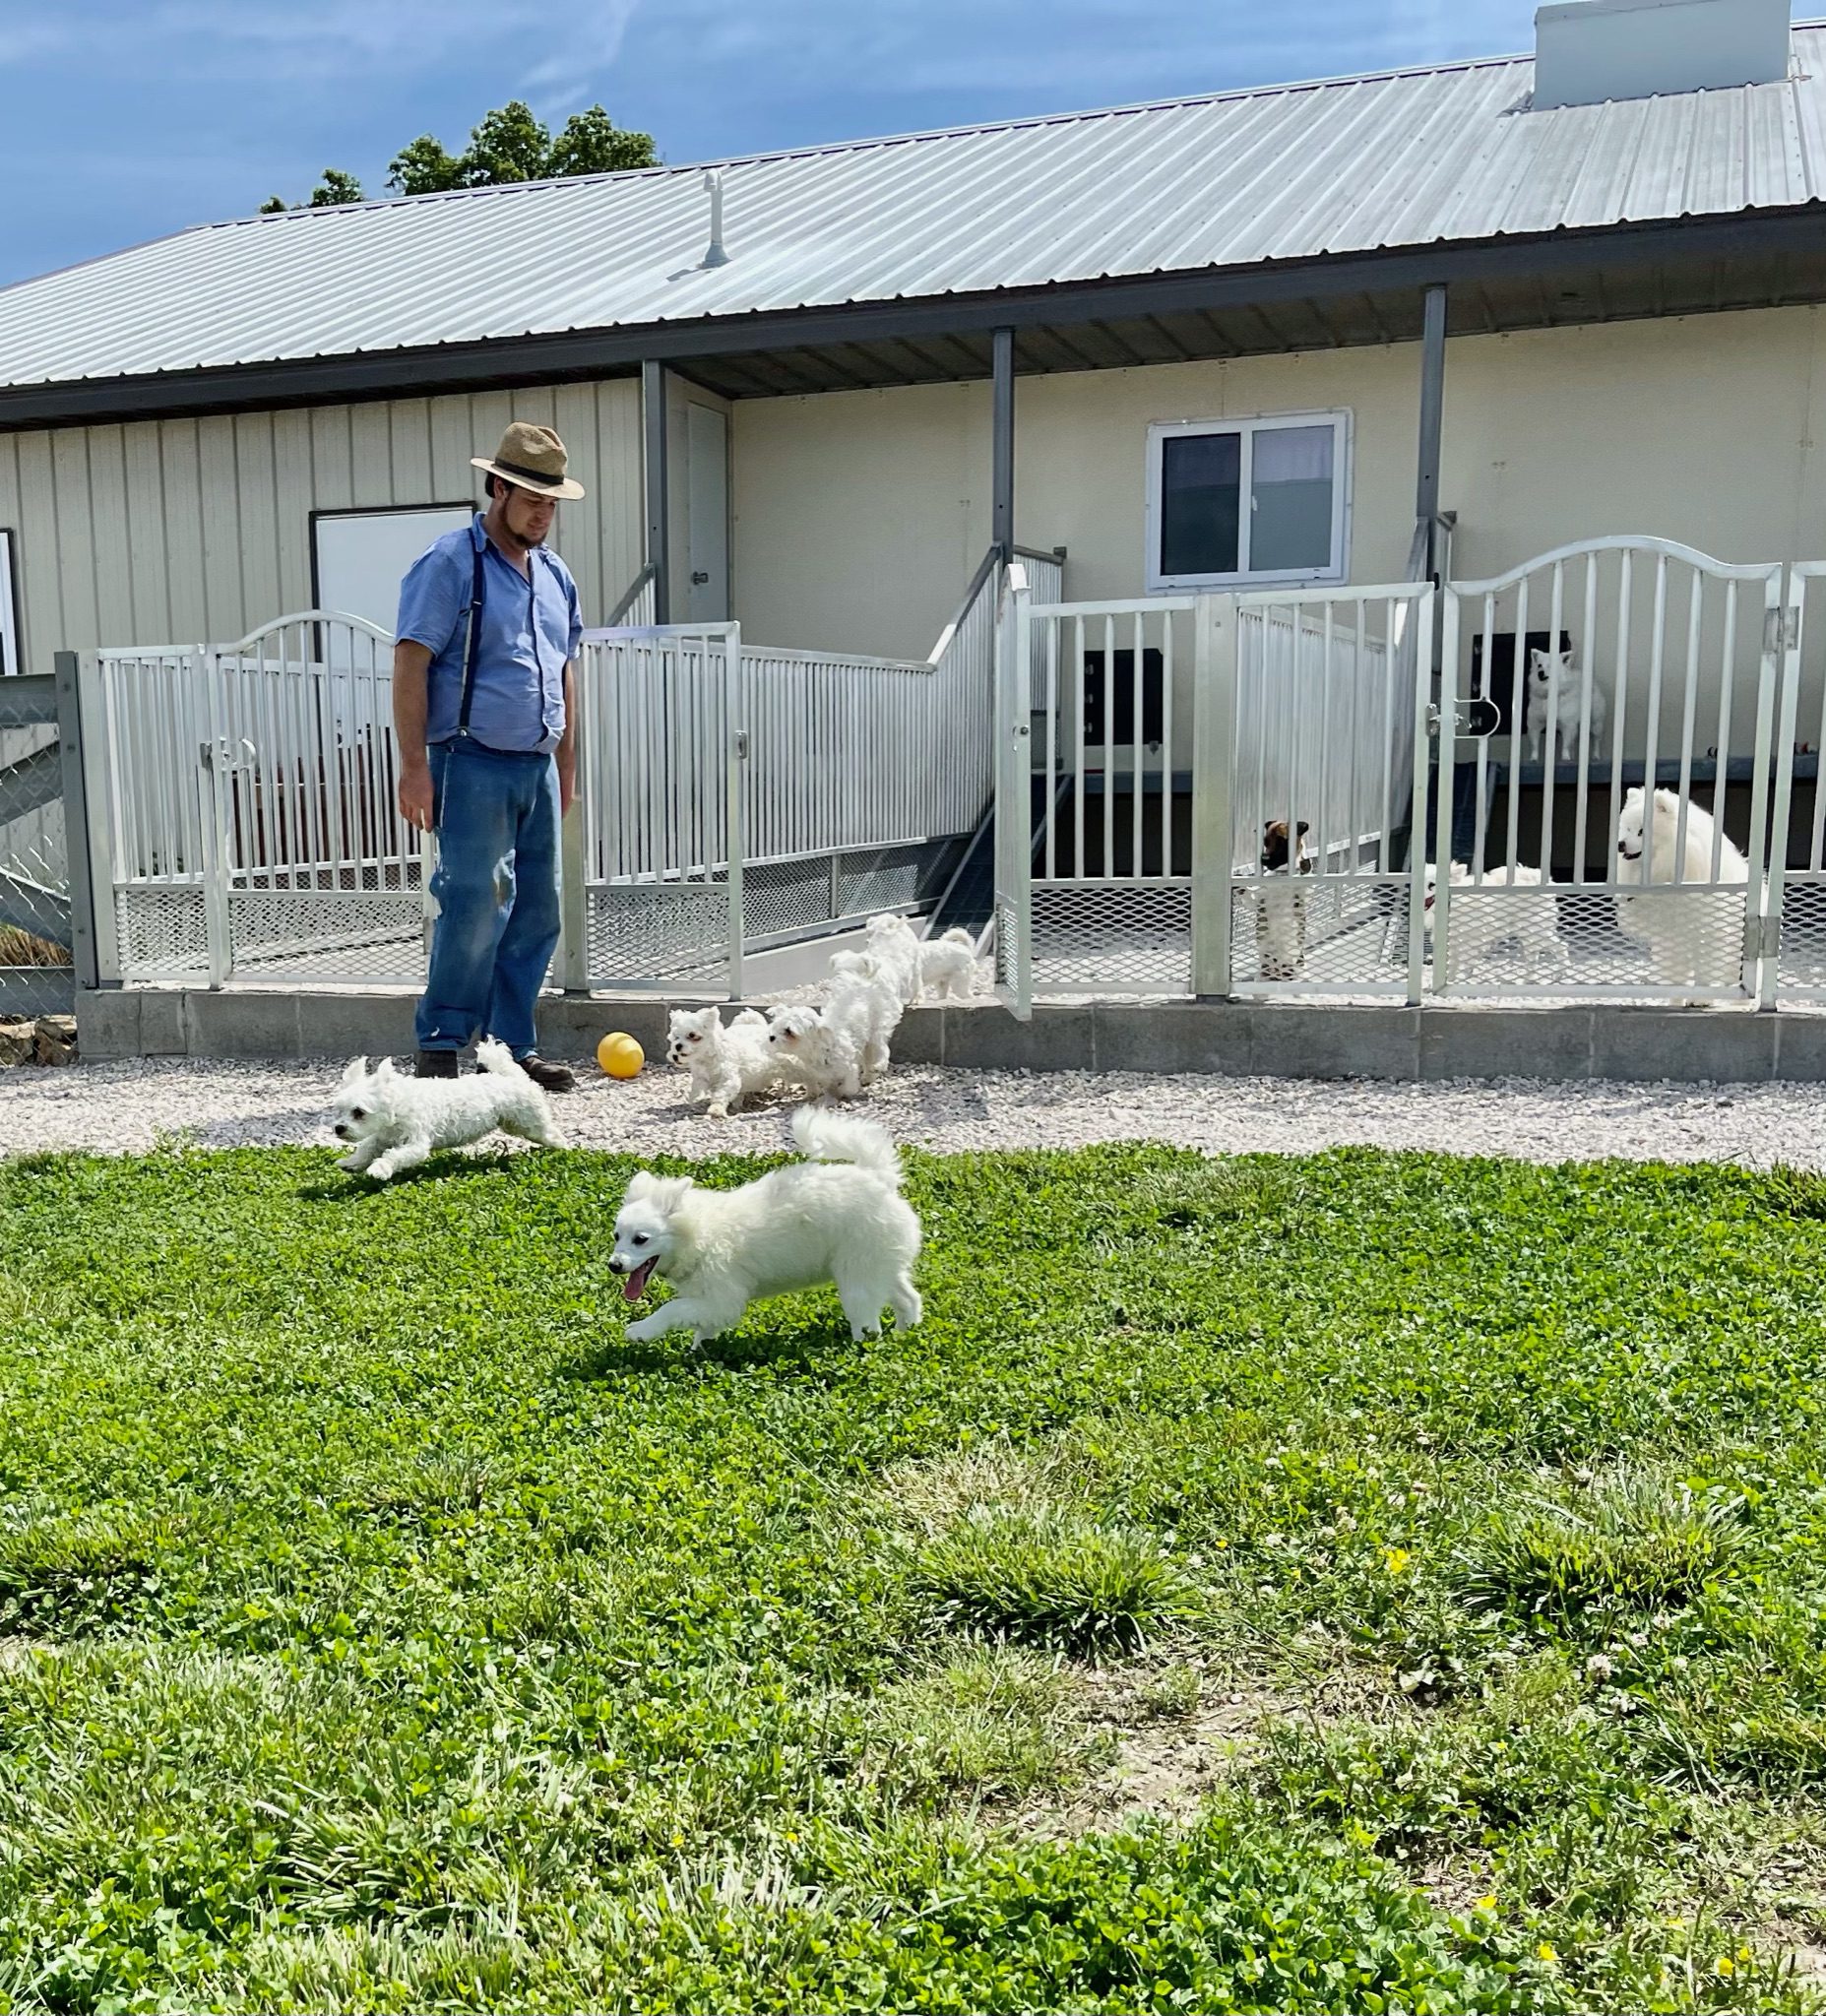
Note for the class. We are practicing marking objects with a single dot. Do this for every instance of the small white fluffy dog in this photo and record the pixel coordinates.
(726, 1065)
(838, 1216)
(864, 1006)
(810, 1052)
(1477, 928)
(948, 966)
(896, 948)
(1674, 931)
(1569, 715)
(394, 1123)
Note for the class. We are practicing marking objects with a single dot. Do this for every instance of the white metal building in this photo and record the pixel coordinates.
(1347, 333)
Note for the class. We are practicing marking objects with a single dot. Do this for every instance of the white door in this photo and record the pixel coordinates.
(707, 513)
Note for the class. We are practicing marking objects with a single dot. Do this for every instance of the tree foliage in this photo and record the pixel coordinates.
(506, 145)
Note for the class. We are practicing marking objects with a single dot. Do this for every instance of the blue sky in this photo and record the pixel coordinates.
(124, 120)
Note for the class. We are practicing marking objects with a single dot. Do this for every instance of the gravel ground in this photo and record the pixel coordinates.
(121, 1107)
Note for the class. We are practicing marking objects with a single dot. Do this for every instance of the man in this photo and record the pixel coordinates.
(484, 711)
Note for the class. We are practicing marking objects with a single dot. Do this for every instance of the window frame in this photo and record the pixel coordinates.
(10, 659)
(1247, 426)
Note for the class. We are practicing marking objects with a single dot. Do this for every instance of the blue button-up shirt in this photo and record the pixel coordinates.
(527, 630)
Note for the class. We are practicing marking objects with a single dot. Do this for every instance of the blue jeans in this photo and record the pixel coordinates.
(496, 890)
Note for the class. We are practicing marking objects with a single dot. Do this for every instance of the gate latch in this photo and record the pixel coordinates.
(1477, 719)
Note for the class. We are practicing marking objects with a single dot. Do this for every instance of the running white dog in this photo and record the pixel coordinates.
(839, 1217)
(726, 1065)
(1674, 931)
(895, 947)
(948, 966)
(864, 1006)
(395, 1124)
(810, 1051)
(1475, 928)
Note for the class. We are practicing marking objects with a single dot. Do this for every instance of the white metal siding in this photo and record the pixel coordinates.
(179, 531)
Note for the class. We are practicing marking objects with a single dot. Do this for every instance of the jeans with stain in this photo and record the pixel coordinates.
(495, 888)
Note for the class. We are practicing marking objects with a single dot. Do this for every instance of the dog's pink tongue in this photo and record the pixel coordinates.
(636, 1283)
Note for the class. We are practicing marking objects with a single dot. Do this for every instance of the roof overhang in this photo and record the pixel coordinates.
(1675, 267)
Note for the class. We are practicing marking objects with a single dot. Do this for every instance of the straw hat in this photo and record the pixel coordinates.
(534, 458)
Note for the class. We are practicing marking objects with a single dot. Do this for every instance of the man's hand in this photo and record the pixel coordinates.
(416, 794)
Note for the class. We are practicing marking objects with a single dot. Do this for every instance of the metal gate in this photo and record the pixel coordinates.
(39, 917)
(1147, 747)
(1276, 793)
(1624, 671)
(253, 823)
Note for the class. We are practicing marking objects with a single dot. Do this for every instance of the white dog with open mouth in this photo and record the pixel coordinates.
(838, 1216)
(394, 1123)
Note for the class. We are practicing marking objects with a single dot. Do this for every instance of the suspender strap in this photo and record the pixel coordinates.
(477, 587)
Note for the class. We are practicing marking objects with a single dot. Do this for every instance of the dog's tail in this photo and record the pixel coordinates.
(493, 1056)
(825, 1136)
(957, 935)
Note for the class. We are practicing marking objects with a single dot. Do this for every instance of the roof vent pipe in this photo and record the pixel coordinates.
(713, 181)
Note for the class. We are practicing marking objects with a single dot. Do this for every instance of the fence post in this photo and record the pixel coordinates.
(1214, 748)
(1771, 935)
(1761, 915)
(736, 764)
(1433, 749)
(67, 669)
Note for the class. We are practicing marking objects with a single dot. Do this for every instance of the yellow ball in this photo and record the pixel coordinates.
(619, 1054)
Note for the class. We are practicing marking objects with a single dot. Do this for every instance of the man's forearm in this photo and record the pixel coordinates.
(411, 666)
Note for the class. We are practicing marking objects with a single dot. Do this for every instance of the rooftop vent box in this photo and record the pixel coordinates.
(1588, 52)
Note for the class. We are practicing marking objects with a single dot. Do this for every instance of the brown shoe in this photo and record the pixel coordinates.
(547, 1077)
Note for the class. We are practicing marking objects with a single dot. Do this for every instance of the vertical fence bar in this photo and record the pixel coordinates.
(735, 759)
(1215, 659)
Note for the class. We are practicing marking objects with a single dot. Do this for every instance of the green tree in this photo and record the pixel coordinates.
(510, 145)
(507, 145)
(335, 186)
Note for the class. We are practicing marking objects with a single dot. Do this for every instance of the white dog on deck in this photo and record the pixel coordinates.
(1675, 933)
(839, 1217)
(865, 1007)
(726, 1065)
(395, 1124)
(894, 946)
(948, 966)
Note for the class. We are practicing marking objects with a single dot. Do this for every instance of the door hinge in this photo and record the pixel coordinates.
(1762, 937)
(1782, 628)
(741, 746)
(700, 579)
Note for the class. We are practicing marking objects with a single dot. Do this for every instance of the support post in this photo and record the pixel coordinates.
(654, 471)
(1002, 477)
(66, 668)
(1432, 412)
(1214, 753)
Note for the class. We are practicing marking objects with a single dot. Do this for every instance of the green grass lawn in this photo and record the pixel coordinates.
(1439, 1547)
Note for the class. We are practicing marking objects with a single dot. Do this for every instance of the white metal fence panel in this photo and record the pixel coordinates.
(1106, 748)
(253, 825)
(1323, 805)
(659, 779)
(1608, 840)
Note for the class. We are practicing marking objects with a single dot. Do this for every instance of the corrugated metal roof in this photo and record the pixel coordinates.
(1405, 158)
